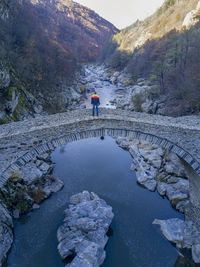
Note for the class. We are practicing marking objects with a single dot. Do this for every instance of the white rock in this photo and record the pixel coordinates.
(192, 17)
(52, 185)
(124, 144)
(84, 230)
(196, 253)
(45, 168)
(30, 173)
(134, 151)
(35, 206)
(174, 166)
(174, 195)
(181, 205)
(149, 106)
(44, 156)
(144, 36)
(172, 229)
(152, 157)
(162, 188)
(182, 185)
(183, 233)
(146, 179)
(91, 256)
(133, 168)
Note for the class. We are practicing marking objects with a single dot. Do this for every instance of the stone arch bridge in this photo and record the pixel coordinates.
(21, 142)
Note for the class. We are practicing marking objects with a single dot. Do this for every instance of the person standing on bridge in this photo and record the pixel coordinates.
(95, 102)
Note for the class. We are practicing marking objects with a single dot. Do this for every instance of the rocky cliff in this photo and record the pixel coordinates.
(6, 232)
(43, 44)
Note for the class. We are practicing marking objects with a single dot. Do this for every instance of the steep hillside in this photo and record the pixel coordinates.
(169, 16)
(42, 44)
(164, 49)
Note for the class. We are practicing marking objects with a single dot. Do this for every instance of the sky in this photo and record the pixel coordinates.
(122, 13)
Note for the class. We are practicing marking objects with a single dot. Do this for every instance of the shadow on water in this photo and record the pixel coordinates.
(104, 168)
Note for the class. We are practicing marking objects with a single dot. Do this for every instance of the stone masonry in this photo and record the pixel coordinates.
(20, 142)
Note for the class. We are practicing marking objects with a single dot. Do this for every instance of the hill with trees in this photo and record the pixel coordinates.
(163, 49)
(42, 46)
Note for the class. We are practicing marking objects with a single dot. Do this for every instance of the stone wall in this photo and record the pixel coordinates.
(20, 142)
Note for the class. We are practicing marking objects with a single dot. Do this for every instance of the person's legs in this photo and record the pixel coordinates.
(97, 109)
(93, 109)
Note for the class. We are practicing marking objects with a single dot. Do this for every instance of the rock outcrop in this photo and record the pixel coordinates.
(83, 234)
(117, 90)
(23, 192)
(182, 233)
(29, 186)
(192, 17)
(6, 232)
(157, 168)
(4, 78)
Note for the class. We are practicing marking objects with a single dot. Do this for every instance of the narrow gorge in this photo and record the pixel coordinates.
(118, 190)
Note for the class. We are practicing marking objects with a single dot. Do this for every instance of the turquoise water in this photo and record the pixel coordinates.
(104, 168)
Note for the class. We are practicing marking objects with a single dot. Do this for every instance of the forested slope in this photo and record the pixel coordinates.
(42, 46)
(164, 49)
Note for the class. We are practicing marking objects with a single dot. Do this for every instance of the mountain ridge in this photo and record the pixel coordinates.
(43, 44)
(170, 16)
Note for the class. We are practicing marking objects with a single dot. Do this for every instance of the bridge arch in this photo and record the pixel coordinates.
(33, 138)
(134, 135)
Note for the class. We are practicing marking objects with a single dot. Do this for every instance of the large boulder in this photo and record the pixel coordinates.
(174, 166)
(52, 184)
(83, 234)
(123, 142)
(153, 156)
(175, 195)
(146, 179)
(30, 173)
(33, 171)
(146, 173)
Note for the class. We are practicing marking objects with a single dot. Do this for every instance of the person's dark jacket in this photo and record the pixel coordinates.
(95, 99)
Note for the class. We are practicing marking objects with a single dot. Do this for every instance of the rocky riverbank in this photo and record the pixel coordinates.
(6, 232)
(183, 234)
(117, 90)
(161, 170)
(82, 237)
(22, 193)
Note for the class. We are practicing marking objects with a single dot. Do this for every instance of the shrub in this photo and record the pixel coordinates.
(38, 195)
(137, 102)
(127, 82)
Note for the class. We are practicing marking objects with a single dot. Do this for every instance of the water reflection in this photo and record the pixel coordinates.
(104, 168)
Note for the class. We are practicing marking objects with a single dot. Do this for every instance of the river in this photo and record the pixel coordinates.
(104, 168)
